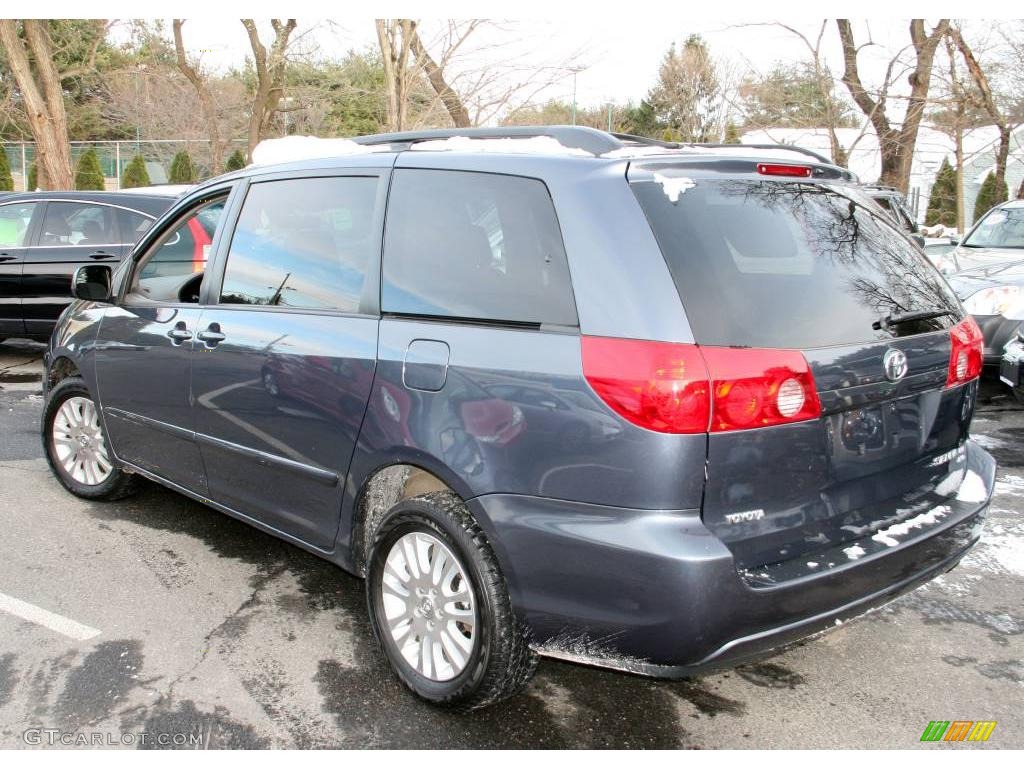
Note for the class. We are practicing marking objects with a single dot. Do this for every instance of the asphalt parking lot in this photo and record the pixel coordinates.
(184, 621)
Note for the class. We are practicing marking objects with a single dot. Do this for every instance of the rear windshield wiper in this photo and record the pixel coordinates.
(896, 318)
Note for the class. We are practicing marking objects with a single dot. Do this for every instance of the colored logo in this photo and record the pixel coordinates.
(958, 730)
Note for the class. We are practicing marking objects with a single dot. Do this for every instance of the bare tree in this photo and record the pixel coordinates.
(270, 69)
(395, 39)
(206, 103)
(989, 102)
(896, 144)
(30, 56)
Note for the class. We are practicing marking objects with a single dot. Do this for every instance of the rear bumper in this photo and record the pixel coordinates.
(998, 332)
(655, 593)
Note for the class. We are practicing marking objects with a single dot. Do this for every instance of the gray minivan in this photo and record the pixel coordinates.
(551, 391)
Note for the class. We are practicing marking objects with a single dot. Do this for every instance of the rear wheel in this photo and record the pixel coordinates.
(76, 446)
(440, 608)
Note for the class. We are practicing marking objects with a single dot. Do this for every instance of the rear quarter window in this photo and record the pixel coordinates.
(474, 246)
(787, 264)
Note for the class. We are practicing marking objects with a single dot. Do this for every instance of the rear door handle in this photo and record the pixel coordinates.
(101, 255)
(212, 334)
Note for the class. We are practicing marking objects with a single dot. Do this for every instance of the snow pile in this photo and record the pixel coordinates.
(855, 552)
(888, 535)
(290, 148)
(534, 145)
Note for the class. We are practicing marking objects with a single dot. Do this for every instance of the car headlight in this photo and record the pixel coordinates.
(993, 301)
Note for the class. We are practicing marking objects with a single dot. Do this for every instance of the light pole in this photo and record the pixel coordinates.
(575, 71)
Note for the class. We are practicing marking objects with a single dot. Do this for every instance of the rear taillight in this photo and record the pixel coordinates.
(965, 352)
(685, 389)
(759, 388)
(652, 384)
(780, 169)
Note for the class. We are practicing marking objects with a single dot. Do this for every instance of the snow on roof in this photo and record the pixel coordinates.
(290, 148)
(534, 145)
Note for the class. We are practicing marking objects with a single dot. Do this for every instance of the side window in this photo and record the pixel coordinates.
(303, 243)
(475, 246)
(14, 224)
(78, 224)
(179, 254)
(133, 225)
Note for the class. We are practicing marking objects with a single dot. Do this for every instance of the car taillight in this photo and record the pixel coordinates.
(778, 169)
(965, 352)
(657, 385)
(759, 388)
(686, 389)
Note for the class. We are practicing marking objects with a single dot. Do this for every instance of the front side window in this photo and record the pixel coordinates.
(180, 255)
(14, 224)
(1001, 228)
(78, 224)
(303, 243)
(474, 246)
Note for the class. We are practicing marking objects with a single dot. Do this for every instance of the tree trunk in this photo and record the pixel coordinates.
(456, 109)
(43, 100)
(989, 102)
(270, 71)
(896, 145)
(961, 215)
(205, 99)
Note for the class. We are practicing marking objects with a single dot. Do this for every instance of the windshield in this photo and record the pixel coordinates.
(1001, 228)
(790, 265)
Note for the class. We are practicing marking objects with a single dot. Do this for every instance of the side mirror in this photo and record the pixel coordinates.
(954, 241)
(92, 282)
(919, 239)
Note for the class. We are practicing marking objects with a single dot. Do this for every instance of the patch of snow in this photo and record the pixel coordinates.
(854, 552)
(674, 186)
(812, 565)
(888, 535)
(972, 489)
(534, 145)
(290, 148)
(1012, 485)
(987, 441)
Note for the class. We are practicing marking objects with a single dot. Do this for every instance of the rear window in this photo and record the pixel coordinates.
(474, 246)
(1001, 228)
(786, 264)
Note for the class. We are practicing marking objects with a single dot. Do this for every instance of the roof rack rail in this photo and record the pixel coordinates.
(629, 138)
(790, 147)
(570, 136)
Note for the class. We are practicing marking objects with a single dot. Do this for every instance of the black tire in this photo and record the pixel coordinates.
(117, 485)
(501, 662)
(1018, 395)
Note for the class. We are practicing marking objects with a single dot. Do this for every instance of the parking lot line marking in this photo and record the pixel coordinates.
(44, 618)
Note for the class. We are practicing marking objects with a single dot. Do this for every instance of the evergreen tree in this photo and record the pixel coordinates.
(182, 170)
(6, 180)
(942, 200)
(88, 173)
(236, 162)
(989, 195)
(33, 178)
(732, 133)
(135, 175)
(687, 98)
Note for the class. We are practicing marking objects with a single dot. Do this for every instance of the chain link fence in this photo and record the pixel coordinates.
(114, 157)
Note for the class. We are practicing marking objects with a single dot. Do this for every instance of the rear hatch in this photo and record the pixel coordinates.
(782, 264)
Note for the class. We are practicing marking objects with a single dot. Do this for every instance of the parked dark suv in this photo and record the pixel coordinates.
(46, 236)
(646, 406)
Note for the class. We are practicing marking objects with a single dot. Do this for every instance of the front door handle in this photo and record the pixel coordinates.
(5, 257)
(101, 255)
(212, 335)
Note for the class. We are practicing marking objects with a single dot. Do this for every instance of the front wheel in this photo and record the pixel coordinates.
(76, 446)
(440, 608)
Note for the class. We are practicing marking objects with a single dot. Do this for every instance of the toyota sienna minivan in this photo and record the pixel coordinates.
(551, 391)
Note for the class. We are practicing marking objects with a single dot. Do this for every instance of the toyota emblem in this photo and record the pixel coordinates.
(895, 365)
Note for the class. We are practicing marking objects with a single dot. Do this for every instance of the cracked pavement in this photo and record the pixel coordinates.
(210, 627)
